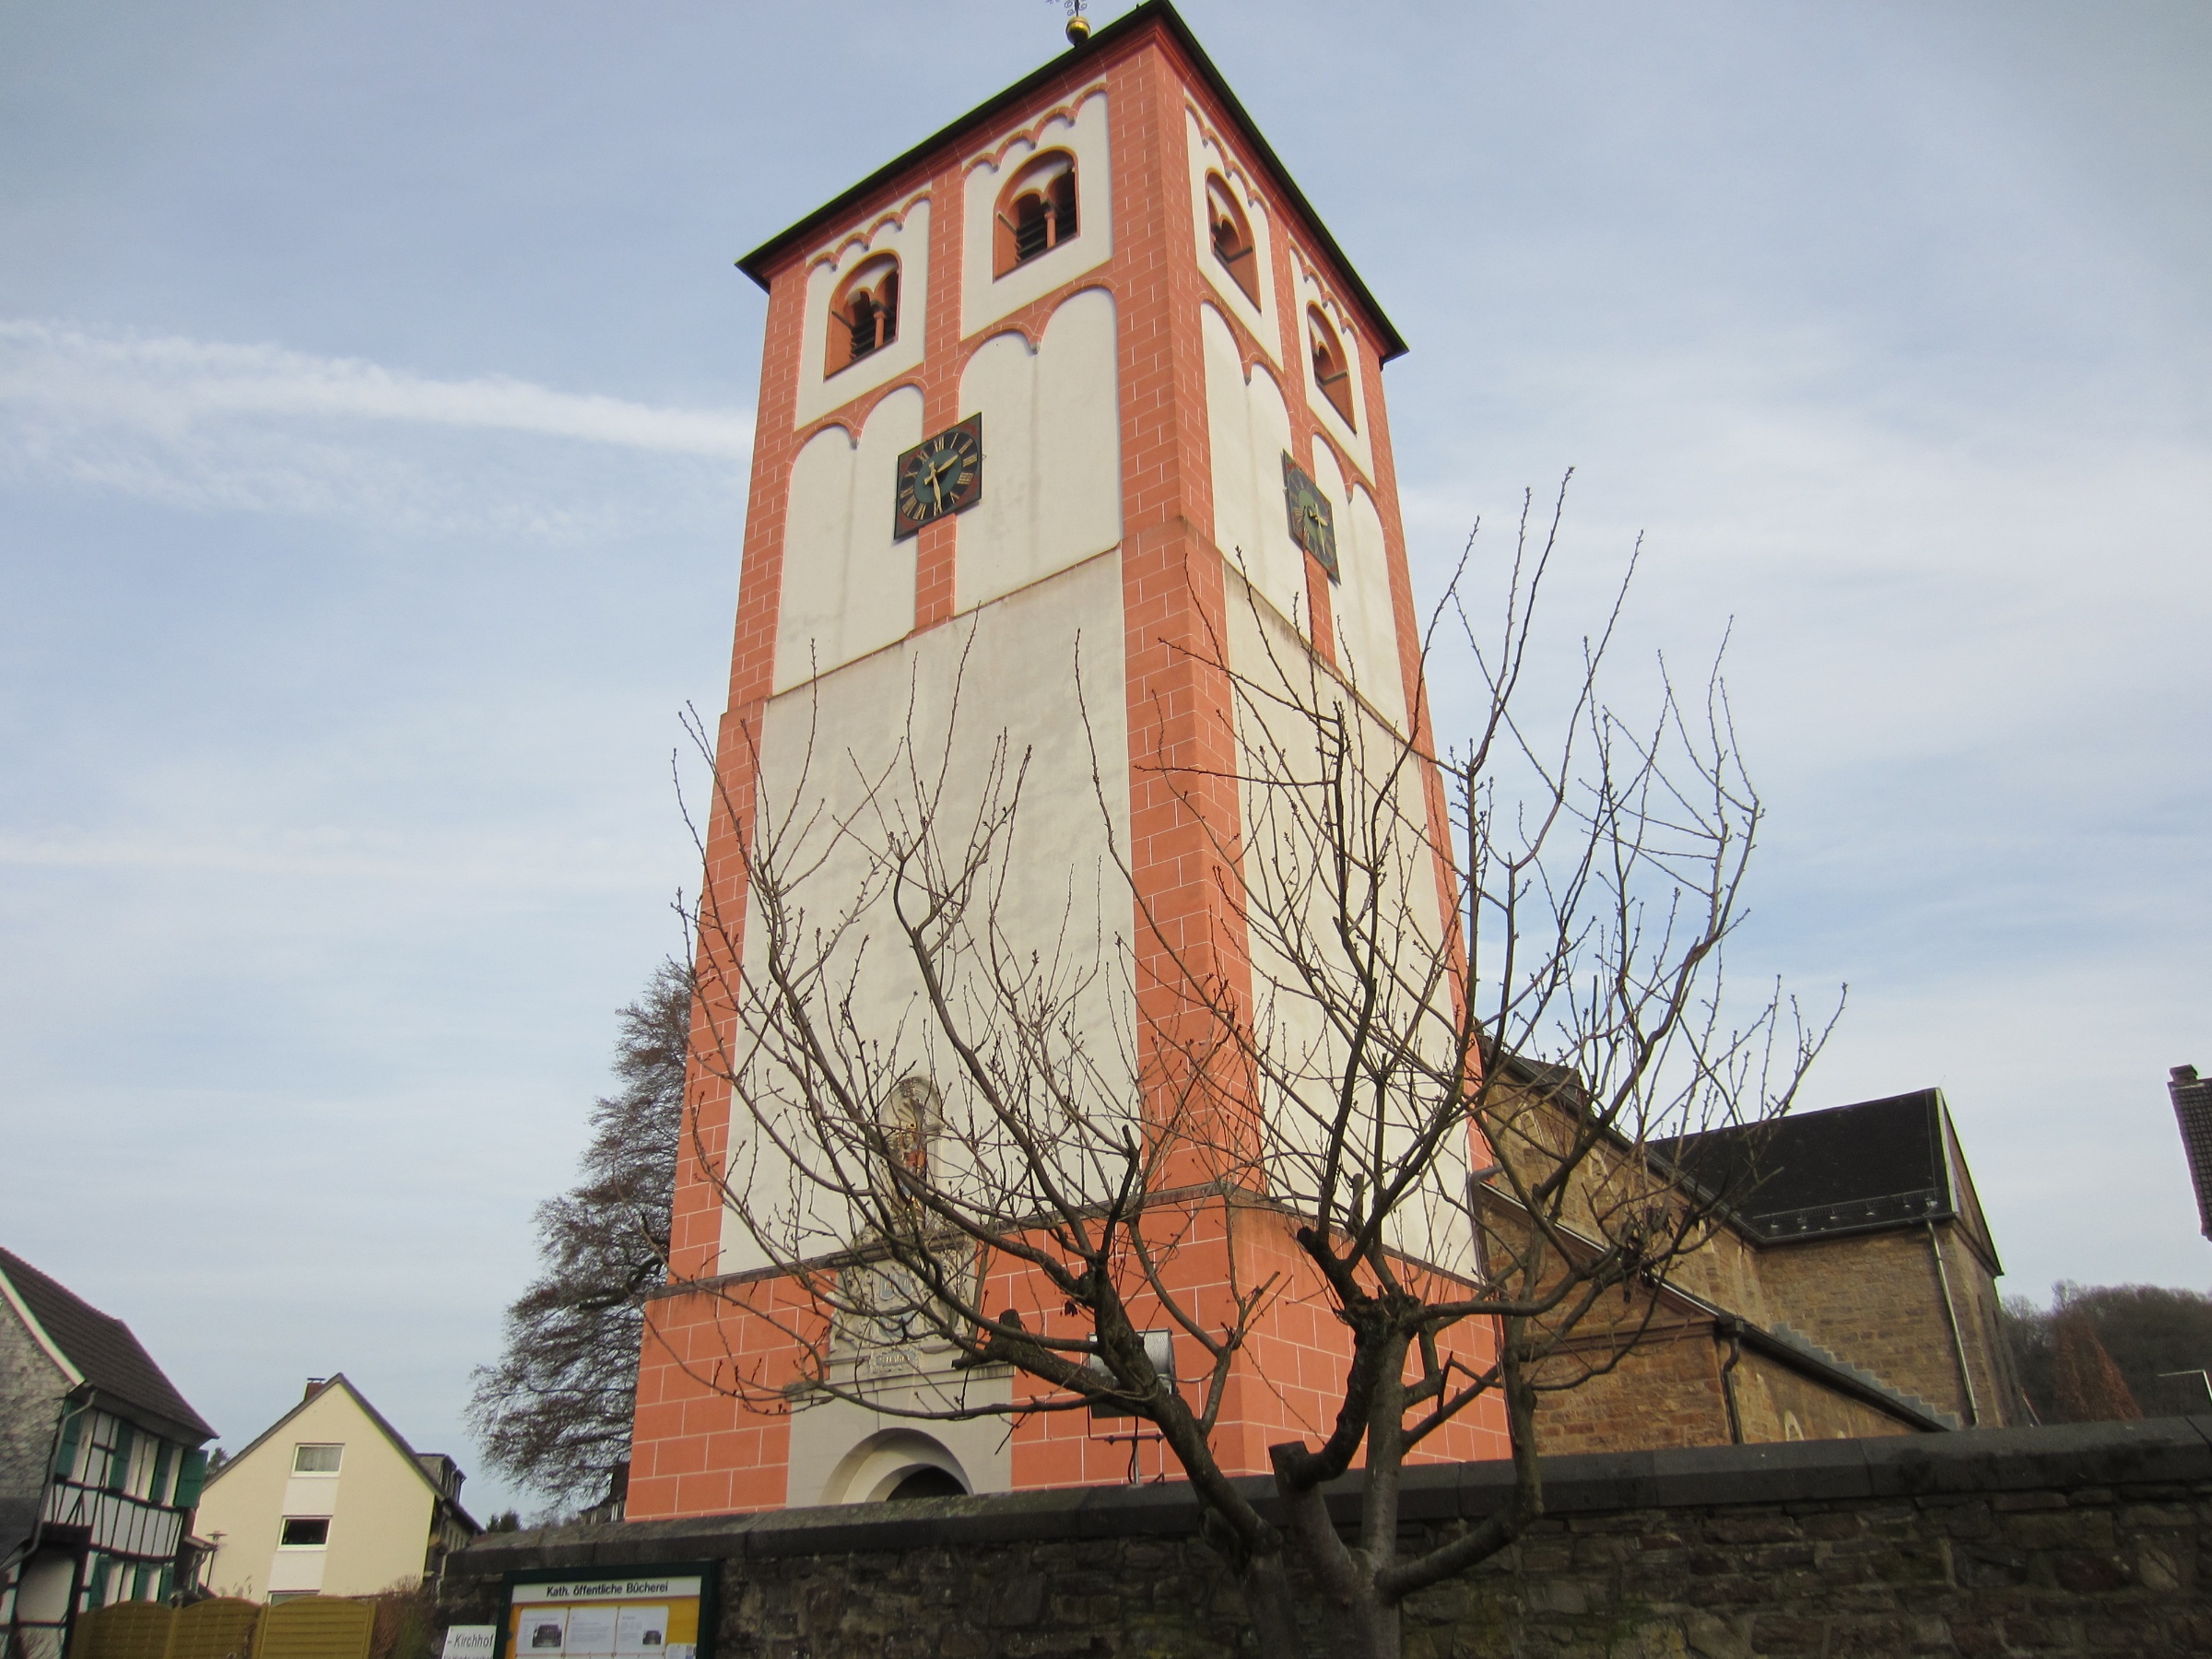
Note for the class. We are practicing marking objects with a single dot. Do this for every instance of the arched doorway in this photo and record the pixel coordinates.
(896, 1464)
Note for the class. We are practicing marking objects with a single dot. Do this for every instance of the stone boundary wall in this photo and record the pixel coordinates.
(2092, 1539)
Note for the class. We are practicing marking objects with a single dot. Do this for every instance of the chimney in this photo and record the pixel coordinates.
(2193, 1111)
(313, 1385)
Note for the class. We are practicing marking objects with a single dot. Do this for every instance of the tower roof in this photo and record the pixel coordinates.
(1157, 15)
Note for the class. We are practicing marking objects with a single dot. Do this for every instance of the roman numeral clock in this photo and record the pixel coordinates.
(939, 477)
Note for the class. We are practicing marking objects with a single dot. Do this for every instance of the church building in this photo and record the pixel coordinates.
(1067, 417)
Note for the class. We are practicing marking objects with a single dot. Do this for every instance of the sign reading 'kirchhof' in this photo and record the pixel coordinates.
(644, 1614)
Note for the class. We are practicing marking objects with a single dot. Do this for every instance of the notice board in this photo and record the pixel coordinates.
(633, 1613)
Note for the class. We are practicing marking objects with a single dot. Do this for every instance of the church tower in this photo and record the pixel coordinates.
(1060, 412)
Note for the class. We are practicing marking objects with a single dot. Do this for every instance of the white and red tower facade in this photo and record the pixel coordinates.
(1124, 345)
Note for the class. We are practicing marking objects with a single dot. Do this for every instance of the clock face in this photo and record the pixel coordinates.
(938, 476)
(1313, 523)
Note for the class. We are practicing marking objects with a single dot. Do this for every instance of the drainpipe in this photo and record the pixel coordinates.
(1951, 1311)
(1734, 1328)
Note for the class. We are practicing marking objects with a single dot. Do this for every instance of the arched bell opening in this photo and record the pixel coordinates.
(1230, 233)
(863, 312)
(1332, 368)
(1036, 211)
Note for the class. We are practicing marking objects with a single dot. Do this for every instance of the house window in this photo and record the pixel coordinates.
(304, 1532)
(1331, 369)
(1230, 232)
(1036, 211)
(863, 312)
(316, 1460)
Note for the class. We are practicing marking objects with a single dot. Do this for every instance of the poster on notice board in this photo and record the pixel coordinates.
(634, 1612)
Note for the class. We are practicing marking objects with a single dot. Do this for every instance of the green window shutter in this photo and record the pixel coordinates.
(64, 1455)
(119, 1460)
(164, 1460)
(191, 1474)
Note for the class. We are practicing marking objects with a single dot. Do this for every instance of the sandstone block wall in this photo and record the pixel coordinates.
(2044, 1541)
(1876, 1300)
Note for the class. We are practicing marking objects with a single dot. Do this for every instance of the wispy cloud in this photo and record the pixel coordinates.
(260, 428)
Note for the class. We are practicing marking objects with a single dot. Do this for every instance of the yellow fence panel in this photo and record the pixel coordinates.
(316, 1627)
(219, 1629)
(126, 1630)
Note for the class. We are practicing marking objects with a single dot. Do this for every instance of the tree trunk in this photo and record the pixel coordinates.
(1266, 1587)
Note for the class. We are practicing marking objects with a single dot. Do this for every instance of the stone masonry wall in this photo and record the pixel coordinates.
(2037, 1541)
(1665, 1392)
(1874, 1298)
(32, 1387)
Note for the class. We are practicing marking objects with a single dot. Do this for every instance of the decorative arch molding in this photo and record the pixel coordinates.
(851, 418)
(863, 236)
(1231, 169)
(1347, 462)
(1033, 135)
(875, 1468)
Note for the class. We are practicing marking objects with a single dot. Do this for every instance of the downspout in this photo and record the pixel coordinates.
(1951, 1311)
(1734, 1327)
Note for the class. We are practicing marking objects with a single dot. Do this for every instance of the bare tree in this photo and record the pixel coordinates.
(555, 1412)
(1475, 989)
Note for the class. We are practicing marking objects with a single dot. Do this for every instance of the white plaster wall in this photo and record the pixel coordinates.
(1052, 452)
(1292, 914)
(1367, 626)
(848, 585)
(1249, 432)
(984, 299)
(1207, 156)
(843, 764)
(1358, 353)
(907, 235)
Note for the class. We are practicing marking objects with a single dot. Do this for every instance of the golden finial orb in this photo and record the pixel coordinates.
(1079, 26)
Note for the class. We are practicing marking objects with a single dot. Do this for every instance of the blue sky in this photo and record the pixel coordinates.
(375, 390)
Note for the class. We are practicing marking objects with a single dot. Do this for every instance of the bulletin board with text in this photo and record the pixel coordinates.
(630, 1613)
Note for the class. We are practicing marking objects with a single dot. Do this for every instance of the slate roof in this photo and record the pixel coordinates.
(1864, 1168)
(100, 1347)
